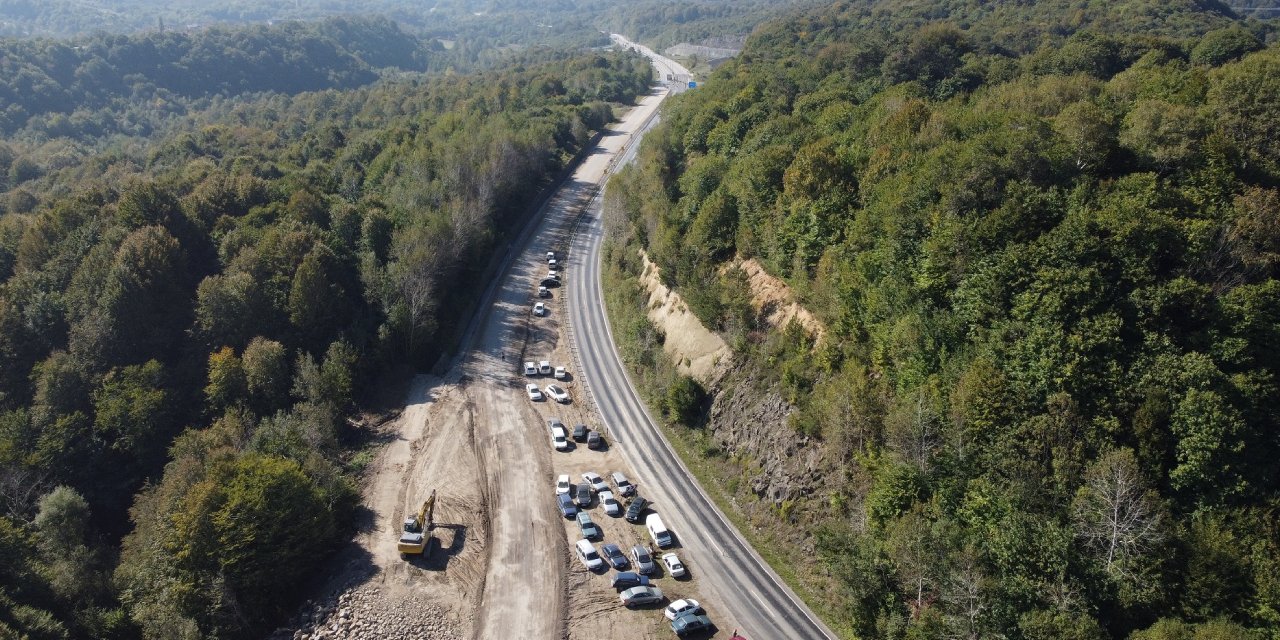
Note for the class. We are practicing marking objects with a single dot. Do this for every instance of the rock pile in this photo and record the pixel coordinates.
(363, 613)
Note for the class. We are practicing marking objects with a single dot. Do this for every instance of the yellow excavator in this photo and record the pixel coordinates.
(417, 529)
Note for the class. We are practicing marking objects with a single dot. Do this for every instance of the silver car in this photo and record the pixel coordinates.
(636, 596)
(643, 560)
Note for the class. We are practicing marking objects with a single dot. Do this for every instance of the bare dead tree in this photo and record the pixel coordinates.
(963, 593)
(1116, 514)
(20, 490)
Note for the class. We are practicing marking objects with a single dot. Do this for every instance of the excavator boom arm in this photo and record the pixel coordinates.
(428, 512)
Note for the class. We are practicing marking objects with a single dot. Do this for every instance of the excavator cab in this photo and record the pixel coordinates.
(411, 525)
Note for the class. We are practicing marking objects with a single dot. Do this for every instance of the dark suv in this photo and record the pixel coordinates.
(565, 503)
(635, 508)
(582, 495)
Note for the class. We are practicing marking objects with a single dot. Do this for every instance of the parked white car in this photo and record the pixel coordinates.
(611, 505)
(681, 606)
(674, 566)
(544, 367)
(557, 393)
(597, 483)
(532, 390)
(563, 484)
(561, 373)
(588, 555)
(539, 309)
(559, 439)
(530, 369)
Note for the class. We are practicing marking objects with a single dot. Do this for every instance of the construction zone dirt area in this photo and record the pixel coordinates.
(500, 559)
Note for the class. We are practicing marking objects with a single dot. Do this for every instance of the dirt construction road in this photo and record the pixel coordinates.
(501, 562)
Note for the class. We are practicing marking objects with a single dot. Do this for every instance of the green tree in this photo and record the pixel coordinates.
(1220, 46)
(1209, 442)
(317, 305)
(142, 307)
(63, 519)
(1170, 629)
(267, 375)
(230, 310)
(1163, 134)
(1088, 132)
(256, 522)
(684, 401)
(134, 414)
(227, 383)
(1242, 96)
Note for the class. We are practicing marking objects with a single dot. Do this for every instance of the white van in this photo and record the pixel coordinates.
(625, 488)
(588, 555)
(659, 532)
(559, 439)
(530, 369)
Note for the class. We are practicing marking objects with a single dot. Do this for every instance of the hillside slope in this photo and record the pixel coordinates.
(1042, 239)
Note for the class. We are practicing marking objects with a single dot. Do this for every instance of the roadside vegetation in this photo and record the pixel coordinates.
(187, 322)
(1042, 239)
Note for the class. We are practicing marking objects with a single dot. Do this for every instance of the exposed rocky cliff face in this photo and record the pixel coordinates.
(748, 420)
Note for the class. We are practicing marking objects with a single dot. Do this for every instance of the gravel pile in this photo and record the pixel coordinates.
(364, 614)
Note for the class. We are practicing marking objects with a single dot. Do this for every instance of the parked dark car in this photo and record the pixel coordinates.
(689, 623)
(582, 495)
(565, 503)
(595, 440)
(627, 579)
(614, 556)
(580, 432)
(635, 508)
(589, 529)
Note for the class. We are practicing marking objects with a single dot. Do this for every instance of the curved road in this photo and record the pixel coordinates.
(724, 562)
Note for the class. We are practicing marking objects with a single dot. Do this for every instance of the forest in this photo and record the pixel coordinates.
(64, 85)
(1044, 240)
(190, 314)
(484, 25)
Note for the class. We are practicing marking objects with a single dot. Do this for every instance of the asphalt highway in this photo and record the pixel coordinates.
(715, 552)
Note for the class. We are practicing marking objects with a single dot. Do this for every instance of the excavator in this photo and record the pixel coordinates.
(417, 529)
